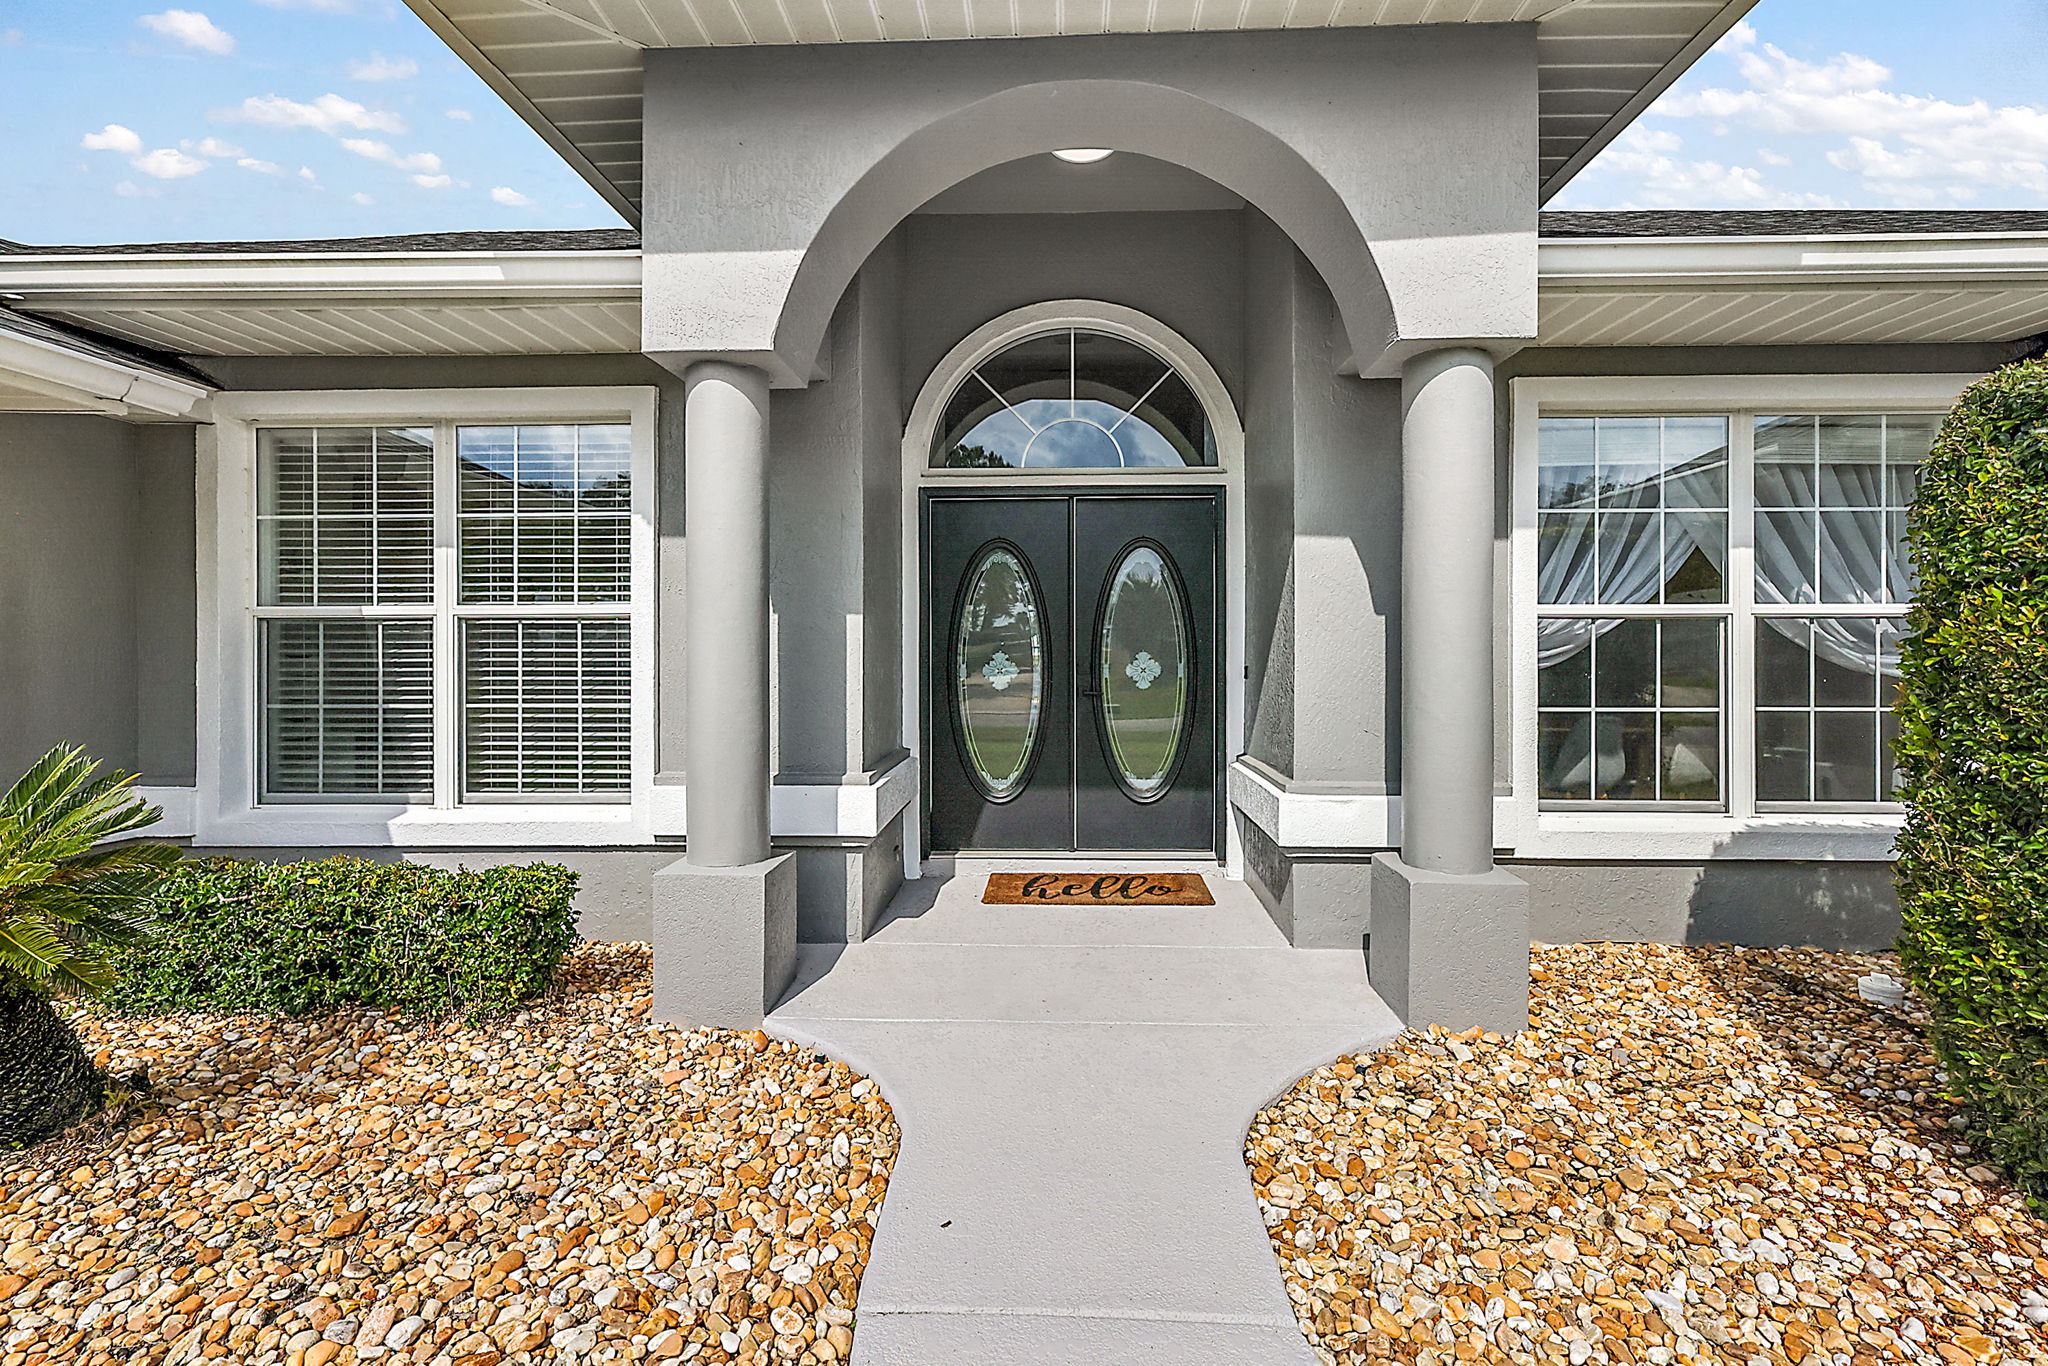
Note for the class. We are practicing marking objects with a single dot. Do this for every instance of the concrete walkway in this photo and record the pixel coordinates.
(1074, 1086)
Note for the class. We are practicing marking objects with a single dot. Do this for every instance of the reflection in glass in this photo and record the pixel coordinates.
(1073, 399)
(1630, 510)
(1825, 687)
(998, 683)
(1632, 714)
(1831, 495)
(543, 513)
(1143, 671)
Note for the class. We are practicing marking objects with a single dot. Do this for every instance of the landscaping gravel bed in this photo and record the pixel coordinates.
(567, 1184)
(1713, 1155)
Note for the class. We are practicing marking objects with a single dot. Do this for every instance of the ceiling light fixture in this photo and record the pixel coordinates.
(1082, 156)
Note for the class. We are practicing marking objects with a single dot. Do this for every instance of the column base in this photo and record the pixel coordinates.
(1449, 949)
(724, 942)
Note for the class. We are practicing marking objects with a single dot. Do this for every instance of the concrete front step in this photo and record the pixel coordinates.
(1070, 1185)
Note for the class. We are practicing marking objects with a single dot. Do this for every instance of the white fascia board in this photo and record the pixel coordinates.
(356, 276)
(110, 385)
(1975, 259)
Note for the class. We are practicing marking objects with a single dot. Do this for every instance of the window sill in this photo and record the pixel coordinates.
(496, 824)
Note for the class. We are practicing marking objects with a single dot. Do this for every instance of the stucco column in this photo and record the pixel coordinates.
(725, 445)
(1449, 932)
(1447, 497)
(725, 916)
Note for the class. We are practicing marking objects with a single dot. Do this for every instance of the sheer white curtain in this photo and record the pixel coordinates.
(1629, 559)
(1838, 556)
(1833, 556)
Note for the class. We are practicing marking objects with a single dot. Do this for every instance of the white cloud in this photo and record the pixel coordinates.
(306, 173)
(259, 166)
(113, 138)
(168, 163)
(328, 114)
(423, 162)
(190, 28)
(378, 67)
(463, 114)
(433, 182)
(360, 198)
(1913, 148)
(510, 198)
(1664, 180)
(210, 147)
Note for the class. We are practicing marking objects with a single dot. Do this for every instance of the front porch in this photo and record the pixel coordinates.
(1074, 1086)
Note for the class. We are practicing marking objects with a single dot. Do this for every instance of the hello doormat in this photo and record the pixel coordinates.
(1096, 889)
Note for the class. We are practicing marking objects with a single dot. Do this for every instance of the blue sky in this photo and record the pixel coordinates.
(127, 121)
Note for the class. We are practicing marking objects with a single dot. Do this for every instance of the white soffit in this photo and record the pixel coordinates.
(1792, 290)
(341, 304)
(571, 68)
(1593, 292)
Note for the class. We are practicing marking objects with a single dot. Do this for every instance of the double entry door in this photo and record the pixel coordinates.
(1071, 670)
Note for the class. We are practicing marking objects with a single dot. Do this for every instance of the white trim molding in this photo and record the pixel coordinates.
(55, 376)
(1741, 829)
(859, 808)
(1297, 818)
(179, 805)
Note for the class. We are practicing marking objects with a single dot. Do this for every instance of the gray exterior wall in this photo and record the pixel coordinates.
(96, 593)
(1723, 901)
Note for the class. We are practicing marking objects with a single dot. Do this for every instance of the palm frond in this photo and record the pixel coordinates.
(66, 895)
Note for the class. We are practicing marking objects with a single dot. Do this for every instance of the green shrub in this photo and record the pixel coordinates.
(1973, 859)
(291, 938)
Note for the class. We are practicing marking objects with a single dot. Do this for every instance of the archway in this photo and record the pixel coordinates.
(1130, 116)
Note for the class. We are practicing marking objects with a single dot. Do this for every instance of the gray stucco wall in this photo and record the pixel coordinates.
(1323, 502)
(1723, 901)
(1184, 268)
(96, 593)
(1426, 234)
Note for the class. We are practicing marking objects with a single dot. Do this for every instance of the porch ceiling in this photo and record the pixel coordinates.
(571, 68)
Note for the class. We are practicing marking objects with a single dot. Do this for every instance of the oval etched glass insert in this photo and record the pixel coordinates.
(998, 678)
(1143, 656)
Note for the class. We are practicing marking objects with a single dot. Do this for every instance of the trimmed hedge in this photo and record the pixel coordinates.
(292, 938)
(1973, 859)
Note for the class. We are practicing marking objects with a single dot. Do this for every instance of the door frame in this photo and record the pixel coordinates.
(1227, 476)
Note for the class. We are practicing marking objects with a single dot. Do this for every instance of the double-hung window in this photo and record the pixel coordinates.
(444, 612)
(1719, 600)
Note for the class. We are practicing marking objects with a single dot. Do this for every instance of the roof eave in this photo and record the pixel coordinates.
(1666, 77)
(504, 88)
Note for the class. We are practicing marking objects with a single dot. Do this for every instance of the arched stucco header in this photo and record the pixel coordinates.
(1396, 167)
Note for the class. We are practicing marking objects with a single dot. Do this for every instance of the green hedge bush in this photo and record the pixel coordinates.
(1973, 859)
(292, 938)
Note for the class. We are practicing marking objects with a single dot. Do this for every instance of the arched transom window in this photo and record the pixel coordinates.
(1073, 399)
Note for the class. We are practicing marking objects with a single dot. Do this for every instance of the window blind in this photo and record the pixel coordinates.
(349, 708)
(546, 706)
(543, 513)
(345, 516)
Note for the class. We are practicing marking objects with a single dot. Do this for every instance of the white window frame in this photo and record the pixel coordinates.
(229, 806)
(1741, 829)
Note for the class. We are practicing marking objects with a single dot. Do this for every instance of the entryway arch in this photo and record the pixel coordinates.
(1150, 503)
